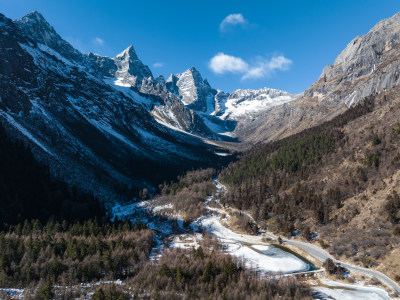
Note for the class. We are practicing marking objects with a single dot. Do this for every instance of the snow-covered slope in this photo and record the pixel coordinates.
(97, 119)
(243, 102)
(84, 114)
(220, 112)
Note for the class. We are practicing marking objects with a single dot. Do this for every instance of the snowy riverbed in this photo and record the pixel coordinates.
(255, 254)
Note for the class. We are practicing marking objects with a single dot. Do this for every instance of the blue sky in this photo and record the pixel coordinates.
(278, 44)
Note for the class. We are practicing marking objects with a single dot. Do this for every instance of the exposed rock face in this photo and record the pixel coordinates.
(38, 29)
(130, 67)
(220, 99)
(103, 65)
(126, 66)
(369, 64)
(194, 91)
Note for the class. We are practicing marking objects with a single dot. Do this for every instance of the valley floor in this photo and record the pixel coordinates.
(257, 252)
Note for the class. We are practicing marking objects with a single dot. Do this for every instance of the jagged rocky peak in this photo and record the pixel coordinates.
(170, 83)
(160, 80)
(153, 86)
(369, 64)
(126, 66)
(35, 26)
(129, 64)
(128, 53)
(34, 17)
(193, 89)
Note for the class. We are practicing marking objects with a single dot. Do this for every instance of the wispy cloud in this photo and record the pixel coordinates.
(158, 65)
(98, 41)
(261, 67)
(232, 20)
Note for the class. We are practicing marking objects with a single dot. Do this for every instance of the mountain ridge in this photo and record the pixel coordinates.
(60, 89)
(90, 133)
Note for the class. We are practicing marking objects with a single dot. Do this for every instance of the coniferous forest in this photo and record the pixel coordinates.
(52, 235)
(28, 191)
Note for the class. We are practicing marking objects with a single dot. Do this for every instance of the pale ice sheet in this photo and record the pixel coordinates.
(256, 255)
(341, 291)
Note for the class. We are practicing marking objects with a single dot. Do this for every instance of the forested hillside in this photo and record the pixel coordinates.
(339, 178)
(27, 191)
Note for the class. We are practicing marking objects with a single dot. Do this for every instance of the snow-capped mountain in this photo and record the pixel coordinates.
(97, 119)
(185, 101)
(194, 91)
(243, 102)
(126, 67)
(94, 133)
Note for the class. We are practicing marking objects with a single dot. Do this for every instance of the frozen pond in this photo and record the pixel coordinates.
(341, 291)
(255, 254)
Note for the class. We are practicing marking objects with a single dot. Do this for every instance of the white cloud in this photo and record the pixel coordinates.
(231, 20)
(222, 63)
(98, 41)
(265, 67)
(158, 65)
(262, 67)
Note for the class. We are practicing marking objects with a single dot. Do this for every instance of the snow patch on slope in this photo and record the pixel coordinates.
(24, 131)
(242, 102)
(102, 125)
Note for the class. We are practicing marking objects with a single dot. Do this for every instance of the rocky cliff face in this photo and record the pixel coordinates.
(370, 64)
(34, 26)
(194, 91)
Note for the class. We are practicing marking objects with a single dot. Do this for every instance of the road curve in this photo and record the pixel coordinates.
(322, 255)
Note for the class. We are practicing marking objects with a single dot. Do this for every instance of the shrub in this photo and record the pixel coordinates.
(334, 269)
(372, 159)
(375, 140)
(396, 129)
(110, 293)
(307, 233)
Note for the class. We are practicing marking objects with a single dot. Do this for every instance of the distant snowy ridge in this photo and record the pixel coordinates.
(242, 102)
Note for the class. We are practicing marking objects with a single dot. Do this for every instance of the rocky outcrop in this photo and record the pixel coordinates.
(192, 88)
(35, 26)
(130, 68)
(369, 64)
